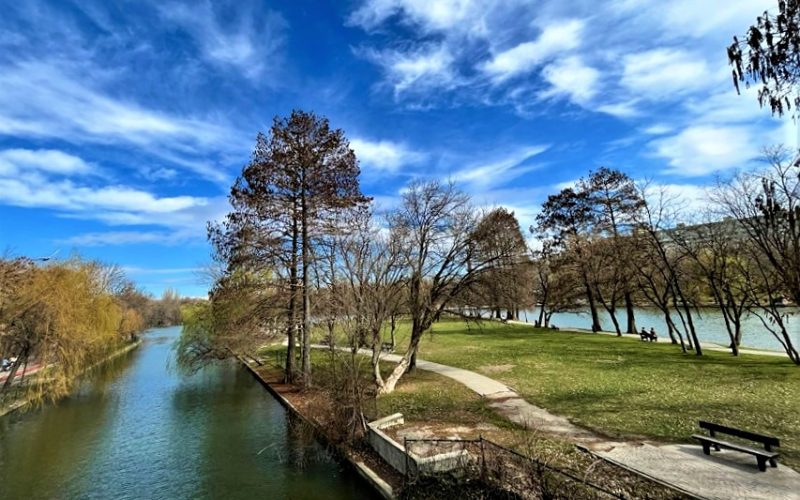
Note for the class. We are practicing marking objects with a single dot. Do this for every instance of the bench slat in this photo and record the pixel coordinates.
(753, 436)
(737, 447)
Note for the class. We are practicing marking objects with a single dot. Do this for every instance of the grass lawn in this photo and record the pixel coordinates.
(625, 387)
(420, 396)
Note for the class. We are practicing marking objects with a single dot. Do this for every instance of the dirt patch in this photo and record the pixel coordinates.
(496, 368)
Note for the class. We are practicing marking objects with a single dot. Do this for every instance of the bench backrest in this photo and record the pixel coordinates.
(752, 436)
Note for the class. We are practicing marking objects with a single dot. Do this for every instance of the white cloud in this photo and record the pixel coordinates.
(36, 191)
(14, 161)
(115, 238)
(247, 41)
(664, 73)
(702, 150)
(556, 38)
(383, 155)
(625, 109)
(571, 78)
(422, 69)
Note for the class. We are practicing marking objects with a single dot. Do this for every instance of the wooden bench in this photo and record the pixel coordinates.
(762, 456)
(387, 347)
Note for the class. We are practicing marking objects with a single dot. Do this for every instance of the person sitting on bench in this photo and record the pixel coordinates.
(647, 337)
(653, 335)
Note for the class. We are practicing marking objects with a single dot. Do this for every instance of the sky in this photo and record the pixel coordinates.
(123, 124)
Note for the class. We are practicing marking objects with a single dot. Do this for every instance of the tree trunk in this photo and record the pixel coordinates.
(596, 327)
(613, 313)
(289, 376)
(412, 363)
(306, 351)
(631, 323)
(541, 315)
(393, 327)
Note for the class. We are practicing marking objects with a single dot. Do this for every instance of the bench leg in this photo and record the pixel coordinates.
(773, 463)
(706, 448)
(762, 464)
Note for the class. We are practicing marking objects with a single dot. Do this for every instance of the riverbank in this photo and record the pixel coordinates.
(24, 401)
(305, 407)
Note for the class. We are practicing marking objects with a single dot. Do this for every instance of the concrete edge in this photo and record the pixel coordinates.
(640, 473)
(372, 478)
(389, 421)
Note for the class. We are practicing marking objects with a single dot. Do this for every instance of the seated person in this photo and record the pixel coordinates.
(653, 335)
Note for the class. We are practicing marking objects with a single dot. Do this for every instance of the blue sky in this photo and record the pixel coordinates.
(123, 124)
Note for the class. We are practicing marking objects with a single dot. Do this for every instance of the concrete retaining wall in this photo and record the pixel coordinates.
(395, 454)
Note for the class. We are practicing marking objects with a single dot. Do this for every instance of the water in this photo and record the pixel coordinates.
(709, 324)
(140, 430)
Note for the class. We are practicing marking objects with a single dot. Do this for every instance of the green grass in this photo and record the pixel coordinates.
(420, 396)
(625, 387)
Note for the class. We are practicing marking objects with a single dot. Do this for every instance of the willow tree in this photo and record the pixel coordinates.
(62, 317)
(299, 175)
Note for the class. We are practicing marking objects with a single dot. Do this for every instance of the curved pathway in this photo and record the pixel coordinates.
(509, 404)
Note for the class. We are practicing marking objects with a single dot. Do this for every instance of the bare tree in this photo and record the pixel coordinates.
(434, 227)
(658, 215)
(717, 260)
(766, 207)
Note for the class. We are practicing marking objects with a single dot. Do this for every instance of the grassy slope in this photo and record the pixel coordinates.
(627, 387)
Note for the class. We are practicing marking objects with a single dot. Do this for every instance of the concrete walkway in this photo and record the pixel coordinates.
(723, 475)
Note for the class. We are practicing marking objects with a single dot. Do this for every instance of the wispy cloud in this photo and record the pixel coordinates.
(48, 99)
(501, 170)
(702, 150)
(246, 38)
(423, 69)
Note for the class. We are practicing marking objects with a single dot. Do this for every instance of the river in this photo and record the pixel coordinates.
(709, 324)
(138, 429)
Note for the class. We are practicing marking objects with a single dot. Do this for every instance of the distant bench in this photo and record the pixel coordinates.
(762, 456)
(648, 337)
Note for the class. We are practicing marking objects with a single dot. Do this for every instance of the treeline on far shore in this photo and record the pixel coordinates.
(59, 318)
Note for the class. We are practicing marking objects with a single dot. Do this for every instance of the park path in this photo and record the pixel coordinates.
(724, 475)
(505, 401)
